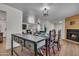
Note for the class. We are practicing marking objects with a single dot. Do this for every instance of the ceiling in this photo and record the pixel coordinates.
(57, 11)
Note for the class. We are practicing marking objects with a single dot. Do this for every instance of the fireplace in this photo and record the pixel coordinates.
(73, 34)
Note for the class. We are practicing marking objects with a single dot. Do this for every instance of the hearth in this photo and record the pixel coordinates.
(73, 34)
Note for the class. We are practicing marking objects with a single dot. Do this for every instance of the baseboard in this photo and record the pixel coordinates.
(72, 41)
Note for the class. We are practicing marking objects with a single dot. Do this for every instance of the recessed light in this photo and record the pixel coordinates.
(60, 22)
(31, 19)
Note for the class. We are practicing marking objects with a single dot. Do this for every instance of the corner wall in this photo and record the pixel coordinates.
(62, 27)
(3, 27)
(48, 24)
(14, 22)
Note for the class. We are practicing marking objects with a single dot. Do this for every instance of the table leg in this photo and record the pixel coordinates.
(35, 48)
(12, 45)
(46, 46)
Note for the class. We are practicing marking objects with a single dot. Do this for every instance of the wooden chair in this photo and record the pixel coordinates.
(50, 44)
(52, 35)
(57, 40)
(54, 41)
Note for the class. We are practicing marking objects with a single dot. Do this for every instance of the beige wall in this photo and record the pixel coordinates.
(75, 23)
(74, 19)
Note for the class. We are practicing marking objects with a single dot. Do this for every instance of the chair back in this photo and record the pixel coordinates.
(52, 34)
(59, 35)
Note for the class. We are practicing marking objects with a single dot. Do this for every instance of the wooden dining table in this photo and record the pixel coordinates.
(22, 38)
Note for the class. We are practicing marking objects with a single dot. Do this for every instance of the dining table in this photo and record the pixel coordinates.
(34, 39)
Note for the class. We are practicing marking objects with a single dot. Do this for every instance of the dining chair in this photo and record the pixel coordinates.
(52, 35)
(57, 40)
(50, 44)
(54, 43)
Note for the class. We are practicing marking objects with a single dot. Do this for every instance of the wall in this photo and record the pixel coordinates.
(61, 26)
(3, 27)
(66, 25)
(48, 24)
(14, 22)
(72, 23)
(74, 19)
(3, 22)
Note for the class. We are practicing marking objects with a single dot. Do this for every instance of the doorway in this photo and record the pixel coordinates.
(2, 32)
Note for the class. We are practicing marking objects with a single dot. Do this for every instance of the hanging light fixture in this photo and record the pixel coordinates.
(45, 12)
(45, 9)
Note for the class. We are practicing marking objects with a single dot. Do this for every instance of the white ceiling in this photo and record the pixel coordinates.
(57, 12)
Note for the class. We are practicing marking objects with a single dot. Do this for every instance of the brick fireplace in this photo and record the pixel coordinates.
(73, 34)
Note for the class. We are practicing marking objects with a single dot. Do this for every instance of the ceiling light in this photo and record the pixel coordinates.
(31, 19)
(60, 22)
(45, 12)
(45, 9)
